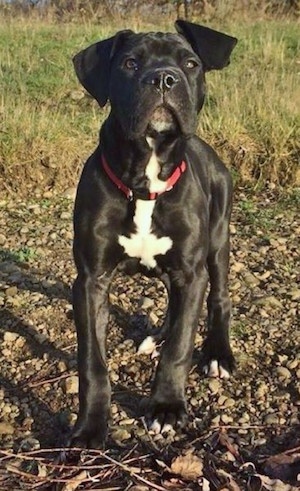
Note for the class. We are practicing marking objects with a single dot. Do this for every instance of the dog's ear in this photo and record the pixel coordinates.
(212, 47)
(92, 65)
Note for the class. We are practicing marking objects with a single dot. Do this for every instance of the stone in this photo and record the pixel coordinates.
(229, 403)
(147, 303)
(214, 385)
(271, 419)
(11, 291)
(283, 372)
(251, 280)
(6, 428)
(10, 337)
(72, 384)
(121, 434)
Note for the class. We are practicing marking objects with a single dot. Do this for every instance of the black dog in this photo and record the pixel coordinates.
(156, 198)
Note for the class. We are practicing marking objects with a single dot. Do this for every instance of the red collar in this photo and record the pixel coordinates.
(129, 193)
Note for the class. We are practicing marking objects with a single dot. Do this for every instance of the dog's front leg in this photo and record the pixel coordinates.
(90, 299)
(167, 404)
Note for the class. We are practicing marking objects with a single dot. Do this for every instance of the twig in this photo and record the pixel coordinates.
(148, 434)
(133, 474)
(51, 380)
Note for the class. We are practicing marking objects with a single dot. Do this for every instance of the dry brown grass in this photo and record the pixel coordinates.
(49, 126)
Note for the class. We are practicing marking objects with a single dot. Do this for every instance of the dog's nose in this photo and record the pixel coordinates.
(161, 80)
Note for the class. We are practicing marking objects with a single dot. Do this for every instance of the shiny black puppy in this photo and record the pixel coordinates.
(152, 197)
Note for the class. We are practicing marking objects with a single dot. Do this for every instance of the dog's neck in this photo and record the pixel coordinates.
(132, 159)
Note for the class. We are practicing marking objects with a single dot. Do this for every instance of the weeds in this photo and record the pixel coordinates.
(49, 125)
(22, 255)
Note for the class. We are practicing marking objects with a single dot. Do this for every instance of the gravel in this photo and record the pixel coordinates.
(39, 383)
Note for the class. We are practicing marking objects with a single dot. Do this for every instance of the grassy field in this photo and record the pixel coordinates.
(48, 125)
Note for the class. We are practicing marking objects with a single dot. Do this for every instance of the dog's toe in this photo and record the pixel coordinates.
(216, 369)
(167, 418)
(88, 438)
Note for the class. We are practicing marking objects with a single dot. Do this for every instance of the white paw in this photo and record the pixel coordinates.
(216, 370)
(157, 428)
(147, 347)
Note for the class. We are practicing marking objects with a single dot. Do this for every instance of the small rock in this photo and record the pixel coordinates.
(295, 294)
(226, 419)
(221, 400)
(237, 266)
(20, 342)
(2, 239)
(229, 403)
(216, 420)
(153, 318)
(62, 367)
(127, 421)
(120, 435)
(270, 301)
(292, 364)
(271, 419)
(251, 280)
(235, 286)
(6, 428)
(10, 337)
(147, 303)
(72, 384)
(65, 215)
(214, 385)
(70, 193)
(11, 291)
(283, 372)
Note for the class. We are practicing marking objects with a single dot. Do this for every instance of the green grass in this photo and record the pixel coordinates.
(21, 255)
(251, 114)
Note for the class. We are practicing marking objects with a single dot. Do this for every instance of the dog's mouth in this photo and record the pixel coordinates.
(163, 120)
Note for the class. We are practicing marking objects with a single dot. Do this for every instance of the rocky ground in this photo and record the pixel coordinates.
(253, 417)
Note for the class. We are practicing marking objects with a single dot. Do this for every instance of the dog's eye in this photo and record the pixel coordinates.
(191, 64)
(130, 64)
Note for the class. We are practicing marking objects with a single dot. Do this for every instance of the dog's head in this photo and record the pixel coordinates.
(155, 82)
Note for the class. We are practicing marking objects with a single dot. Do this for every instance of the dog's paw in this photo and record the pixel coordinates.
(216, 369)
(91, 436)
(217, 362)
(166, 417)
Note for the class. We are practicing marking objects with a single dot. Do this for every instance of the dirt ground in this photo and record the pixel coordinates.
(242, 434)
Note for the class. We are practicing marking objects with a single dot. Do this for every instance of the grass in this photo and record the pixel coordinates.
(21, 255)
(48, 127)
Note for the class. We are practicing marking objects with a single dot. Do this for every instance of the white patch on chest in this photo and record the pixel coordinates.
(143, 244)
(152, 171)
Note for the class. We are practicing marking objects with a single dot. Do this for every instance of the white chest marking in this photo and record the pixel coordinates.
(152, 171)
(143, 244)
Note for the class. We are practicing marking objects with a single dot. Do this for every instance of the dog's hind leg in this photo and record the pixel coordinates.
(218, 360)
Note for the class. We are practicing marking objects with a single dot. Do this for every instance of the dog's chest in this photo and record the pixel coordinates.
(143, 243)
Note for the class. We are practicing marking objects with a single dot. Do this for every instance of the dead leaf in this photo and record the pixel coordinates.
(264, 483)
(283, 466)
(224, 440)
(73, 484)
(187, 466)
(139, 488)
(231, 484)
